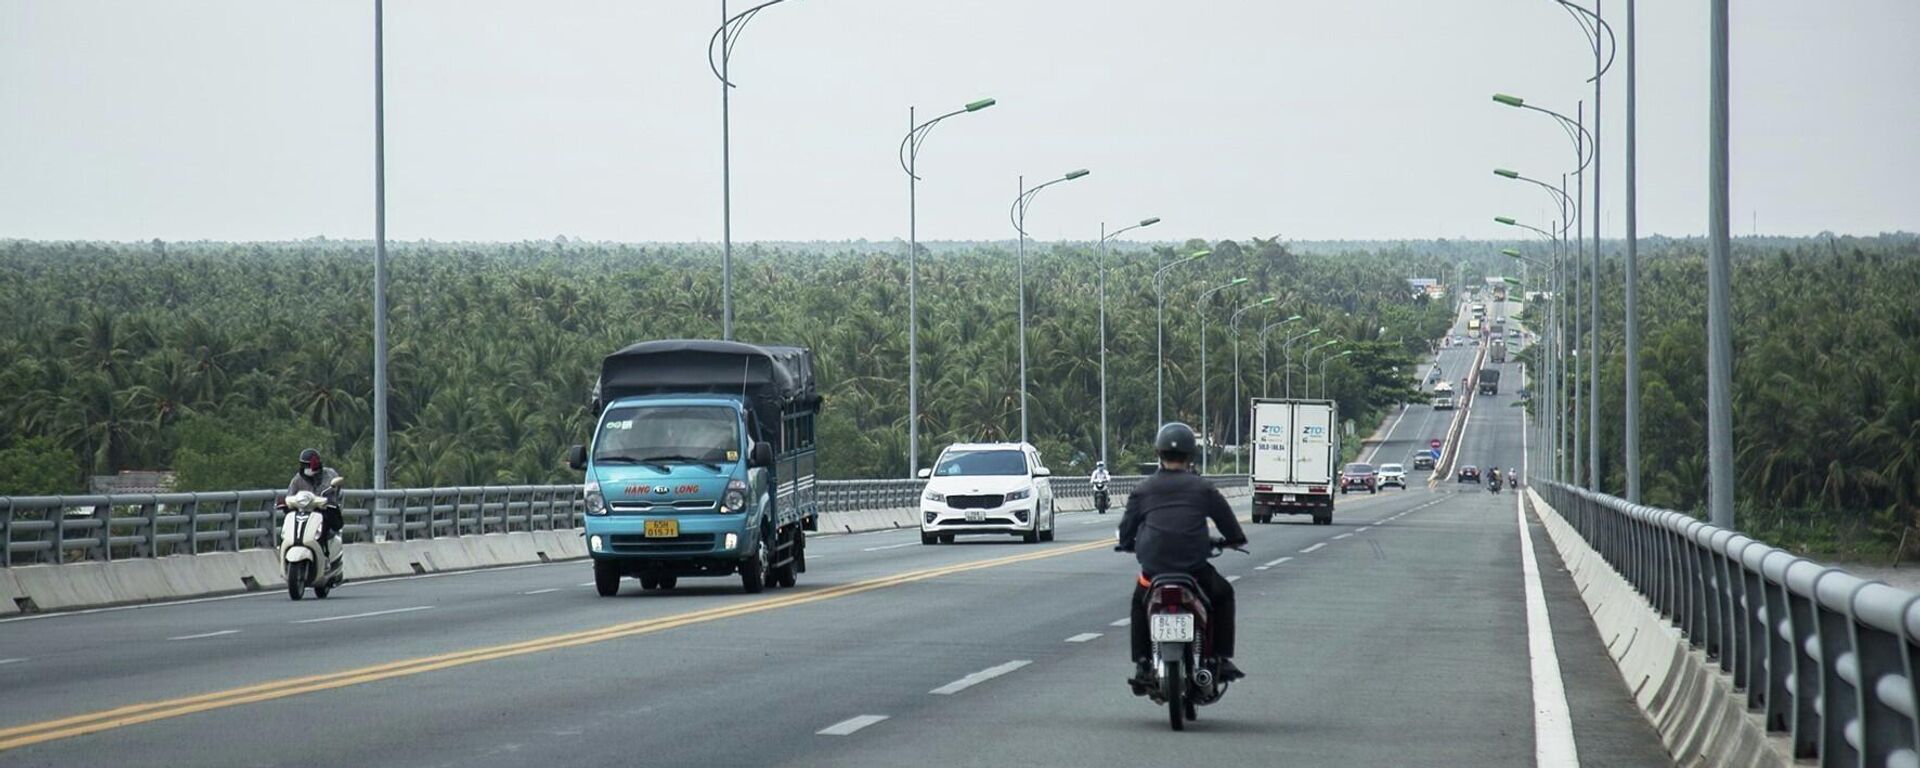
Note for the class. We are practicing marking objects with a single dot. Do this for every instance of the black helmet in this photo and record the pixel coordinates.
(1175, 441)
(310, 459)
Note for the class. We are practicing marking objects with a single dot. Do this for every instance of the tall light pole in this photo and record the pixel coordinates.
(1306, 364)
(724, 38)
(379, 260)
(1102, 256)
(909, 154)
(1233, 330)
(1160, 339)
(1017, 214)
(1719, 285)
(1323, 371)
(1549, 383)
(1633, 284)
(1200, 307)
(1266, 373)
(1598, 31)
(1573, 347)
(1289, 349)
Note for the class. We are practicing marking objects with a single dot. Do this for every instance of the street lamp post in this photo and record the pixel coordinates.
(1266, 374)
(1102, 256)
(1018, 215)
(1200, 307)
(909, 154)
(1719, 284)
(1323, 371)
(1233, 330)
(1306, 365)
(379, 265)
(1289, 348)
(1160, 339)
(1597, 31)
(1566, 203)
(725, 37)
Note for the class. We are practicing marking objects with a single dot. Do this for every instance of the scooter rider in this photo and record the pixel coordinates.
(1166, 526)
(317, 479)
(1100, 476)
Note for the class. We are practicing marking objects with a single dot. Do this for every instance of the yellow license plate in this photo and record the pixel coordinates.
(663, 529)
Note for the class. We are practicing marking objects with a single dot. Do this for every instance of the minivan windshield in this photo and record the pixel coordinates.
(700, 434)
(971, 463)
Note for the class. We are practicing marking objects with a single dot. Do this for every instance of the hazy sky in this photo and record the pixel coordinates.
(517, 119)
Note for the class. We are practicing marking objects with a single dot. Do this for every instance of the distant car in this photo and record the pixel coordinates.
(1423, 461)
(1393, 474)
(996, 488)
(1359, 475)
(1468, 474)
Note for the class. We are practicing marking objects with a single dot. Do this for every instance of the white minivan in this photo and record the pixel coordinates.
(999, 488)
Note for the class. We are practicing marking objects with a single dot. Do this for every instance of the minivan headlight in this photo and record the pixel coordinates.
(936, 496)
(596, 503)
(1023, 493)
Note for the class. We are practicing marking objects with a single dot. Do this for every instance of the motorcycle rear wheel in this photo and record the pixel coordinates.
(1176, 690)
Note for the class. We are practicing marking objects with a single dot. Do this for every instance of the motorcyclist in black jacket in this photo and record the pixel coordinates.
(1165, 525)
(315, 477)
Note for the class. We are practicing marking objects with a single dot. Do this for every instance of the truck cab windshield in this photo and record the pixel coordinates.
(971, 463)
(668, 435)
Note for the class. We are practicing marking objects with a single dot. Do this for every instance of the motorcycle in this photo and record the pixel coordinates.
(1100, 499)
(306, 560)
(1183, 656)
(1493, 483)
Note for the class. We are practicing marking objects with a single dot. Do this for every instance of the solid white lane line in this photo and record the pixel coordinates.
(848, 726)
(1121, 623)
(1552, 722)
(1083, 637)
(364, 615)
(541, 591)
(891, 546)
(1313, 548)
(1341, 536)
(1231, 579)
(977, 678)
(206, 634)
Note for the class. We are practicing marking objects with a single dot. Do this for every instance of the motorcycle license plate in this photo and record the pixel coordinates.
(1287, 497)
(975, 515)
(663, 529)
(1172, 628)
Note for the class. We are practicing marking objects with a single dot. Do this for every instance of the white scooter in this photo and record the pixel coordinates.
(305, 560)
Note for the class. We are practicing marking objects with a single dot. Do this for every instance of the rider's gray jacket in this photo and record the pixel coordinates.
(320, 484)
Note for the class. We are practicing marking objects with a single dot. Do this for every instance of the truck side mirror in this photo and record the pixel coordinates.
(924, 473)
(577, 457)
(760, 455)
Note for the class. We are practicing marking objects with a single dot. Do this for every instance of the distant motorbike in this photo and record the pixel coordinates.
(1100, 499)
(1188, 669)
(305, 559)
(1493, 482)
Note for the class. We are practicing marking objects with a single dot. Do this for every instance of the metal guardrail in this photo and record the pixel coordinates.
(69, 529)
(1828, 658)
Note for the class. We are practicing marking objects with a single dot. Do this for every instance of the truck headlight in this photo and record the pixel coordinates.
(936, 496)
(598, 544)
(1024, 493)
(596, 504)
(732, 541)
(735, 499)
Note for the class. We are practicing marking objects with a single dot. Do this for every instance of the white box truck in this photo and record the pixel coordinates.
(1296, 458)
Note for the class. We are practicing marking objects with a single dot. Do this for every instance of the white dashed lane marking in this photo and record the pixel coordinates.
(977, 678)
(848, 726)
(1083, 637)
(368, 614)
(206, 635)
(1272, 564)
(1313, 548)
(1121, 623)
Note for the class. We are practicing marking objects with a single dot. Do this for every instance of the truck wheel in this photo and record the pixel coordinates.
(799, 551)
(753, 570)
(606, 580)
(667, 582)
(649, 583)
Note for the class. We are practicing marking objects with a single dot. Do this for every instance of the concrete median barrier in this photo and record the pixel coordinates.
(1701, 718)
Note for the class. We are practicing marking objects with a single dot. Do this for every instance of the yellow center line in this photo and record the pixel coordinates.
(120, 717)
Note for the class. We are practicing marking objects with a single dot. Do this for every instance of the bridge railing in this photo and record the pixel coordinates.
(1827, 658)
(68, 529)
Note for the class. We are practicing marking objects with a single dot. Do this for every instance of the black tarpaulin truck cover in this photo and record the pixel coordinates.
(774, 379)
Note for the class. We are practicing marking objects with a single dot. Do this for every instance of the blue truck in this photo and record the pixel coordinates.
(702, 464)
